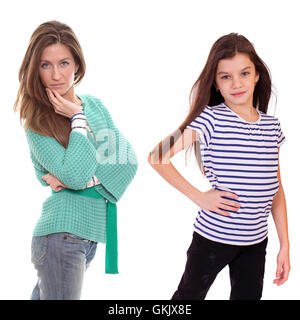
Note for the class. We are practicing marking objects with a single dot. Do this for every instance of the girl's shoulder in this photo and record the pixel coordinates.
(268, 117)
(212, 111)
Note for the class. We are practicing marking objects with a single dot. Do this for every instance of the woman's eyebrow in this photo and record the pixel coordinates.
(44, 60)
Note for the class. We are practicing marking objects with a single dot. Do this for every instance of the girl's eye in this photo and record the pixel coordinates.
(225, 77)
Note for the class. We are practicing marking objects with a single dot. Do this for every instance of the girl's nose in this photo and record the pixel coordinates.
(236, 82)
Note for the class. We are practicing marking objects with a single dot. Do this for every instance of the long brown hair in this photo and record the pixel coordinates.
(204, 91)
(32, 100)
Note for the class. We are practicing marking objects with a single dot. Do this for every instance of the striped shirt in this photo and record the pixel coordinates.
(80, 124)
(240, 157)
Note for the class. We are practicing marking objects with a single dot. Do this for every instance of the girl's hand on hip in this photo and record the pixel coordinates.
(61, 105)
(54, 183)
(214, 200)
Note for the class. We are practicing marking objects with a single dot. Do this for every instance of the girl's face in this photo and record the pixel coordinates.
(236, 78)
(57, 69)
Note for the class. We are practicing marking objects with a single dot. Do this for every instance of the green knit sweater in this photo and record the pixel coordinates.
(109, 157)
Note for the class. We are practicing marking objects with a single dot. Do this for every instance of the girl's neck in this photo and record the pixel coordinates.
(247, 112)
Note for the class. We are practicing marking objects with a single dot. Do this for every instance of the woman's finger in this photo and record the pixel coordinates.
(58, 97)
(53, 98)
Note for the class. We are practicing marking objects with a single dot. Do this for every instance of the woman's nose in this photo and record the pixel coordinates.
(55, 73)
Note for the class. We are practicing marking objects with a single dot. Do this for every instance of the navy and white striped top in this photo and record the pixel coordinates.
(240, 157)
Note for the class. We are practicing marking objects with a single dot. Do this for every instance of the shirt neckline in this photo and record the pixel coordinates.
(242, 119)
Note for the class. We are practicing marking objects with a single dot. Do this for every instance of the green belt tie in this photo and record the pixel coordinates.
(111, 251)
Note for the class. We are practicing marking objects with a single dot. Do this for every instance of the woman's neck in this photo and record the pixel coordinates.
(70, 96)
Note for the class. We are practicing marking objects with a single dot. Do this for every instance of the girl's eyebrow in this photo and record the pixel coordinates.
(221, 72)
(67, 58)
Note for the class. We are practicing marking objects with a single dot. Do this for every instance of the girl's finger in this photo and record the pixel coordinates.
(226, 207)
(229, 195)
(223, 213)
(231, 203)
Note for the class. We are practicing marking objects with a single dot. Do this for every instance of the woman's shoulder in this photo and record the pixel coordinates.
(32, 133)
(89, 99)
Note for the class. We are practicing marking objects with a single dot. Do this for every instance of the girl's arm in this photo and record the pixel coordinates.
(279, 214)
(210, 200)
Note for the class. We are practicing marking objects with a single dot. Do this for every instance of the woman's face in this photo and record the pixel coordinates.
(236, 78)
(57, 69)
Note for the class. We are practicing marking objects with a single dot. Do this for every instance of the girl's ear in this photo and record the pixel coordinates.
(215, 85)
(256, 78)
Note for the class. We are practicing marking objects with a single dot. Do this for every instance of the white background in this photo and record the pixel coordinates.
(142, 60)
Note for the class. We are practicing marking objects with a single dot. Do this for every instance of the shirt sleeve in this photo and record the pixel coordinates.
(204, 124)
(79, 123)
(93, 182)
(280, 136)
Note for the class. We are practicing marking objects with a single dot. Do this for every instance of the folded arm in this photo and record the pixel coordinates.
(74, 165)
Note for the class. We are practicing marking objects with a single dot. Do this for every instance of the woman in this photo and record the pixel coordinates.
(77, 150)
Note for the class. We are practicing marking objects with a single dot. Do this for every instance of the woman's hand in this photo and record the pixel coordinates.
(213, 200)
(283, 267)
(61, 105)
(54, 183)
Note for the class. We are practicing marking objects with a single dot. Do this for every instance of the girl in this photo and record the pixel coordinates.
(237, 147)
(76, 150)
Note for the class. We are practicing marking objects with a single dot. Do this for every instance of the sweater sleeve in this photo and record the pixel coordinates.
(117, 161)
(74, 165)
(39, 171)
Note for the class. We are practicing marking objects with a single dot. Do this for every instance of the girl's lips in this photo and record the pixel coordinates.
(238, 94)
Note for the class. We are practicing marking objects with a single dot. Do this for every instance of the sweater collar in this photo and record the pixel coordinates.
(93, 112)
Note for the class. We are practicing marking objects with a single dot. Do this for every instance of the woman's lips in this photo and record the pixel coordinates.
(58, 85)
(238, 94)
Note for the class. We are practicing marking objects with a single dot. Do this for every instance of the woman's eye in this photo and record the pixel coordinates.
(245, 73)
(45, 65)
(65, 63)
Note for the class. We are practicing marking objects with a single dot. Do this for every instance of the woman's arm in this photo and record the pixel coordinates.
(279, 213)
(210, 200)
(74, 165)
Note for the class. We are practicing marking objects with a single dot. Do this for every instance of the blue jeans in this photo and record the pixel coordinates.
(61, 260)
